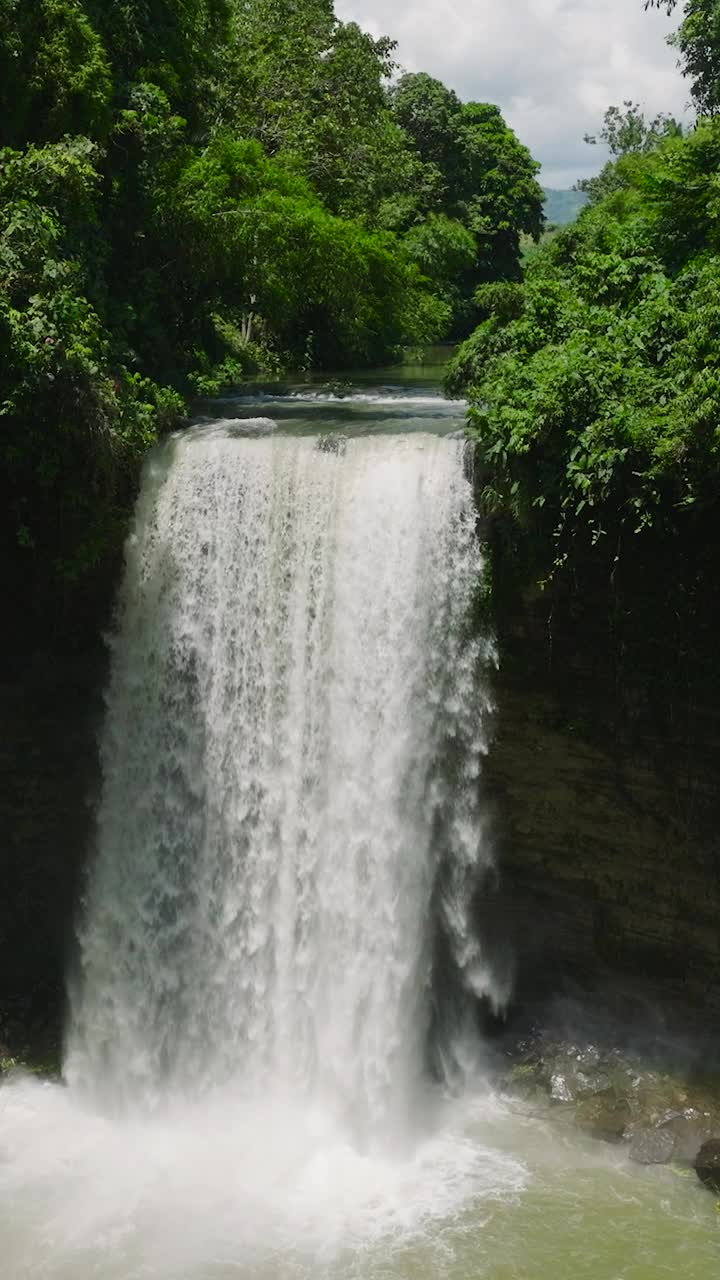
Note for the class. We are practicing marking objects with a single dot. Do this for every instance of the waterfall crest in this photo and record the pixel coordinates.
(295, 727)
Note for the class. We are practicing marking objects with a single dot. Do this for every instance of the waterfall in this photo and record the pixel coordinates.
(295, 726)
(279, 947)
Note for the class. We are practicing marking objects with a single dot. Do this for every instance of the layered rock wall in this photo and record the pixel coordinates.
(607, 822)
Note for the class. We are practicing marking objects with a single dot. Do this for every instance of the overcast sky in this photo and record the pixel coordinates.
(552, 65)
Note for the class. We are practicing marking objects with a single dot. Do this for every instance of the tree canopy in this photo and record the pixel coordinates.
(595, 392)
(474, 172)
(193, 192)
(698, 43)
(596, 382)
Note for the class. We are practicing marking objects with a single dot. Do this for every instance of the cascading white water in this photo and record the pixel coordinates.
(294, 734)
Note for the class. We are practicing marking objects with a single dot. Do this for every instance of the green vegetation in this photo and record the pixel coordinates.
(698, 43)
(475, 193)
(193, 193)
(626, 132)
(595, 384)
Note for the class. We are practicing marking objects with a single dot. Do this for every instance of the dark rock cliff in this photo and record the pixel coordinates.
(50, 709)
(606, 789)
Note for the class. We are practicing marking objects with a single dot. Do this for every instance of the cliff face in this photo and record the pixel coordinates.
(607, 809)
(50, 710)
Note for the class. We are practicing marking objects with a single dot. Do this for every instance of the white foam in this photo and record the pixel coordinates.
(222, 1184)
(397, 400)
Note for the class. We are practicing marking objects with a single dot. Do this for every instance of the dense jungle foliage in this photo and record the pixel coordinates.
(595, 383)
(193, 192)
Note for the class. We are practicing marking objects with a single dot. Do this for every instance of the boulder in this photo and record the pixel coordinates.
(690, 1129)
(707, 1165)
(651, 1146)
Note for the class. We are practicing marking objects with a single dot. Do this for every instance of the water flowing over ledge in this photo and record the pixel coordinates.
(294, 737)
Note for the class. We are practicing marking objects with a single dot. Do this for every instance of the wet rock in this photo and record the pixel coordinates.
(333, 444)
(591, 1084)
(588, 1057)
(571, 1074)
(251, 427)
(526, 1051)
(561, 1089)
(707, 1165)
(614, 1095)
(651, 1146)
(605, 1118)
(690, 1130)
(657, 1095)
(523, 1080)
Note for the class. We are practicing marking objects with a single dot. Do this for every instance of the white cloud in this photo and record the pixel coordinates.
(552, 65)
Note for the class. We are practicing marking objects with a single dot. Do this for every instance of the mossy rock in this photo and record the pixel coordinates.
(523, 1080)
(605, 1117)
(46, 1068)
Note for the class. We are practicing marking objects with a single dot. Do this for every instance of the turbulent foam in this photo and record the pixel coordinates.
(397, 400)
(400, 400)
(224, 1187)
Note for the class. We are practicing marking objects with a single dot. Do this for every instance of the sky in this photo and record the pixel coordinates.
(553, 66)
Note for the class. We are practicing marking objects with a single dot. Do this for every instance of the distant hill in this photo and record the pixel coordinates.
(562, 207)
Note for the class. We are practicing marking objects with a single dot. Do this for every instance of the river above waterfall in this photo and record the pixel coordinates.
(291, 826)
(404, 400)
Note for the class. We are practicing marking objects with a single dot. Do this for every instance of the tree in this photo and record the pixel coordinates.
(55, 75)
(300, 82)
(626, 133)
(174, 44)
(428, 112)
(194, 191)
(477, 174)
(502, 197)
(250, 234)
(443, 249)
(597, 383)
(698, 42)
(75, 421)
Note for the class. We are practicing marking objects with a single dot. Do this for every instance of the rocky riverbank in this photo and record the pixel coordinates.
(659, 1097)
